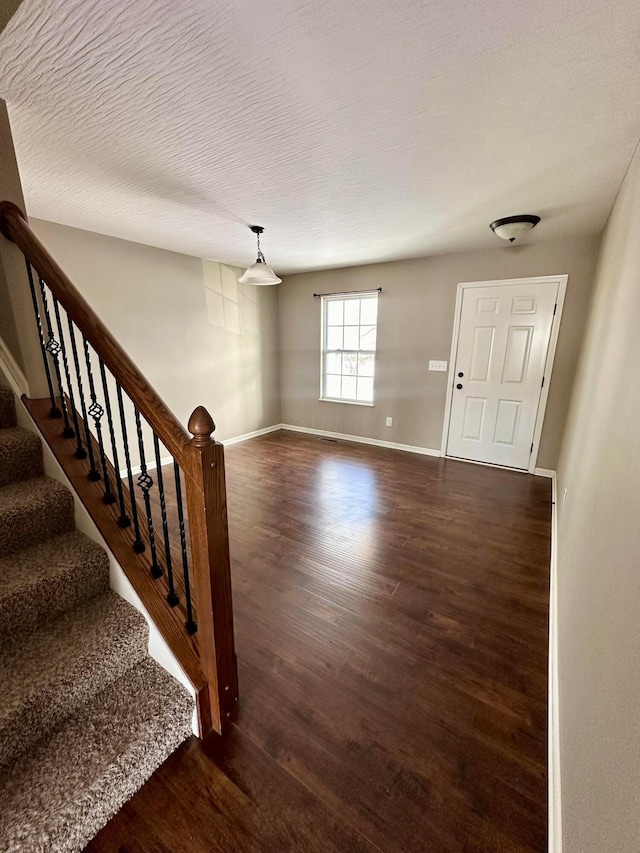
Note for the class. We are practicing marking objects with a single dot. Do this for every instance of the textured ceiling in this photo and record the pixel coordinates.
(354, 132)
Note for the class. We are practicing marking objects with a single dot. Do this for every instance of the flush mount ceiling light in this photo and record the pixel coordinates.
(511, 228)
(260, 272)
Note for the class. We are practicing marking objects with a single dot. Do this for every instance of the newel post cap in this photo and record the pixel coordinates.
(201, 426)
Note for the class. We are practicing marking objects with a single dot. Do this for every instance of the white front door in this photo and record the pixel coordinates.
(502, 350)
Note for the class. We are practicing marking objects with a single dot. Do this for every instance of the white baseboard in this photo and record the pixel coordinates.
(136, 469)
(11, 370)
(247, 435)
(167, 460)
(555, 800)
(376, 442)
(545, 472)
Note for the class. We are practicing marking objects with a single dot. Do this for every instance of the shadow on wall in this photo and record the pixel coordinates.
(234, 310)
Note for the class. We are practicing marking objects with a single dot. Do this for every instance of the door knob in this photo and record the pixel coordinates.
(459, 386)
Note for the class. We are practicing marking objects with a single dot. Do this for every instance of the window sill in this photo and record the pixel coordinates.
(345, 402)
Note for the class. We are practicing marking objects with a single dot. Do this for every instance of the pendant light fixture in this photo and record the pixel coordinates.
(260, 272)
(511, 228)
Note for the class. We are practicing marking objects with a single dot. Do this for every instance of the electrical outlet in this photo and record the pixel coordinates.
(389, 422)
(437, 365)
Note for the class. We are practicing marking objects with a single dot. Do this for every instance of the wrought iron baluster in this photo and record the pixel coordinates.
(124, 520)
(145, 482)
(96, 412)
(80, 453)
(55, 411)
(138, 544)
(53, 348)
(172, 598)
(93, 472)
(189, 624)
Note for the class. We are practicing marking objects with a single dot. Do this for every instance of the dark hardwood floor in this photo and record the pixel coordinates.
(391, 629)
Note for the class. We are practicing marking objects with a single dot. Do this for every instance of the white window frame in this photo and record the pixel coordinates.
(325, 300)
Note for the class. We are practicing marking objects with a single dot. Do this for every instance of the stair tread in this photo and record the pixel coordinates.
(86, 715)
(48, 673)
(20, 455)
(45, 580)
(59, 794)
(26, 491)
(54, 556)
(33, 510)
(15, 436)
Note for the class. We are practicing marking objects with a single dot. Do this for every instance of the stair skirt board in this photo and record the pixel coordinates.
(86, 715)
(7, 409)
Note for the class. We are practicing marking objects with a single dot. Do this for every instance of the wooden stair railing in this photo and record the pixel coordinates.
(186, 590)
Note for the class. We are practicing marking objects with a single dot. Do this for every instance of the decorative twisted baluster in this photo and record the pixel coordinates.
(138, 544)
(75, 433)
(93, 474)
(189, 624)
(172, 598)
(145, 482)
(55, 411)
(124, 520)
(96, 411)
(53, 348)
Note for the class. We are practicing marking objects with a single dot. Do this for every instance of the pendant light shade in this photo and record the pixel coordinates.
(511, 228)
(259, 273)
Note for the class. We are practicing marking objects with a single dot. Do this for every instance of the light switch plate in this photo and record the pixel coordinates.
(437, 365)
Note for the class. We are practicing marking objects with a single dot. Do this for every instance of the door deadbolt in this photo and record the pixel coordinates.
(459, 385)
(461, 375)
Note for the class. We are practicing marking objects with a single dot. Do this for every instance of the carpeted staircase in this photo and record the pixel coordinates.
(86, 715)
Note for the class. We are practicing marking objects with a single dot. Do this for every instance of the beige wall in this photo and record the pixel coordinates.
(198, 336)
(599, 556)
(19, 338)
(415, 324)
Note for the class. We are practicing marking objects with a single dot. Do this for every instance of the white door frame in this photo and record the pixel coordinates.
(561, 281)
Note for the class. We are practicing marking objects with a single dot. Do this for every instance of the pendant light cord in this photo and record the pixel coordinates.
(260, 255)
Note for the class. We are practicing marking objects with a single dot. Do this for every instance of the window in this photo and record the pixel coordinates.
(349, 347)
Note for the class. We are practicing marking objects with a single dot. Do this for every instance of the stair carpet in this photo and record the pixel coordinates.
(86, 715)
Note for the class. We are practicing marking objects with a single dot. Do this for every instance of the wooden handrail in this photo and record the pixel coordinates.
(14, 226)
(209, 659)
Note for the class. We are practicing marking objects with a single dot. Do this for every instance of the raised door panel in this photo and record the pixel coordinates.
(481, 351)
(516, 357)
(506, 424)
(473, 420)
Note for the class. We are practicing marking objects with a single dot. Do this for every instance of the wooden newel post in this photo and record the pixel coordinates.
(211, 570)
